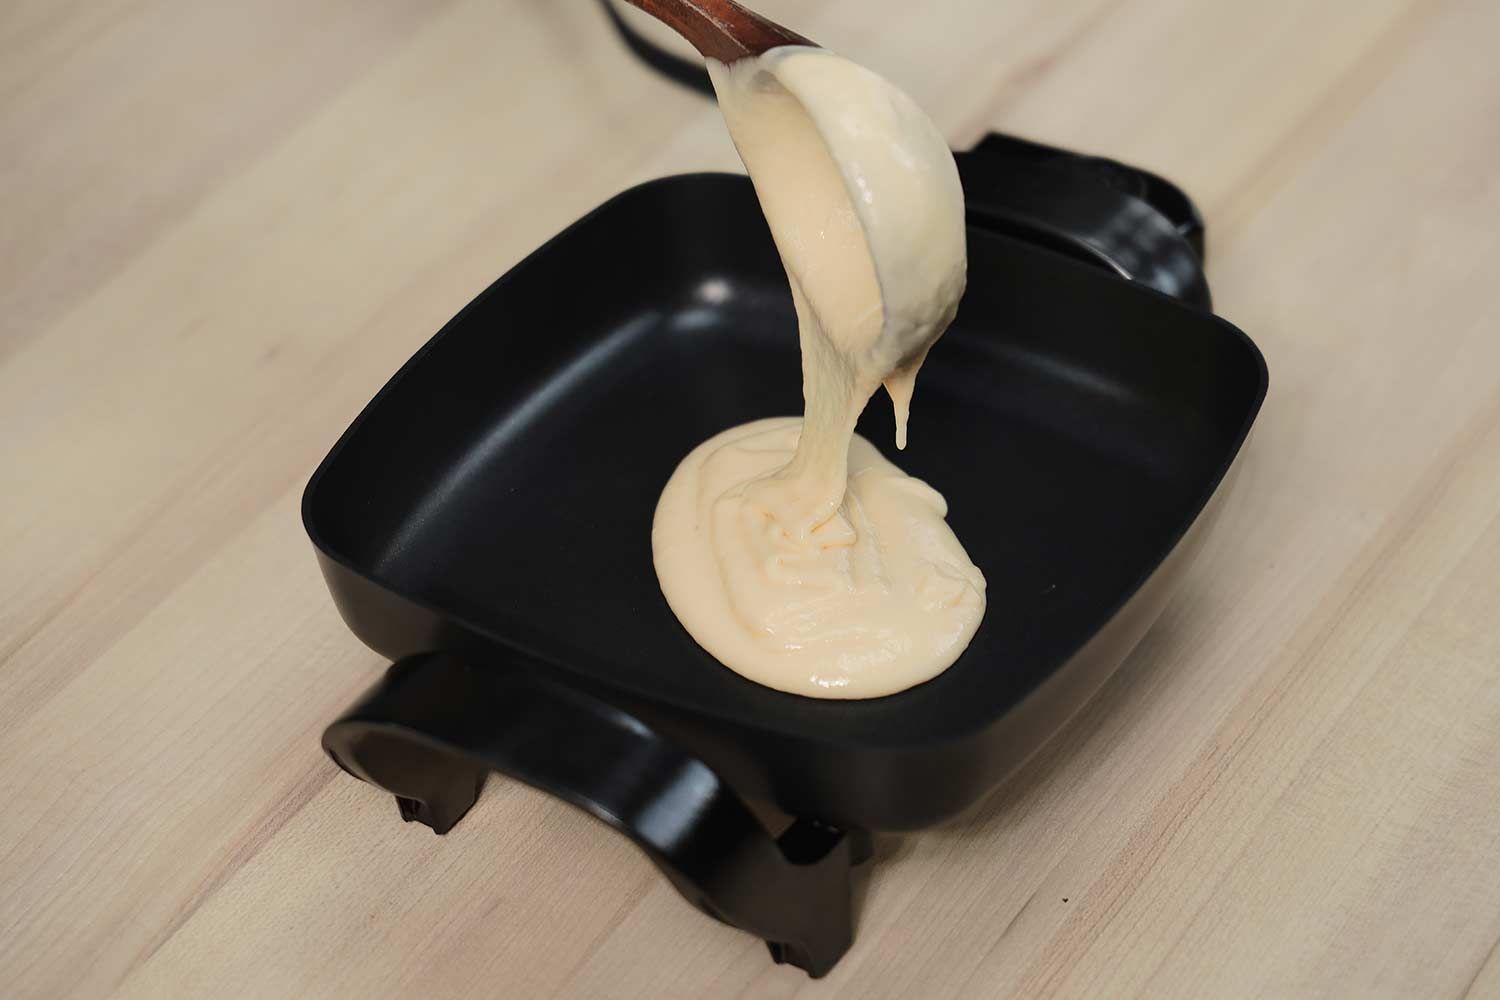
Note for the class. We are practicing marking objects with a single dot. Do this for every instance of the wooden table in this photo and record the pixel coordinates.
(223, 225)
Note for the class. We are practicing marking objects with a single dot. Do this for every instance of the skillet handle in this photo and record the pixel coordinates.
(1134, 223)
(433, 727)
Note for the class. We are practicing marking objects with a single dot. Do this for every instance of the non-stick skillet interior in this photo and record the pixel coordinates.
(508, 475)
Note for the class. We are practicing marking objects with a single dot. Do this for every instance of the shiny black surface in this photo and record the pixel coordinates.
(1095, 210)
(1166, 198)
(432, 729)
(507, 478)
(494, 503)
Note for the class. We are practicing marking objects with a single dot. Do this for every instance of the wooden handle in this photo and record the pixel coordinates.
(720, 29)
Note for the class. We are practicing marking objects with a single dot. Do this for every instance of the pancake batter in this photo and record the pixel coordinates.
(790, 548)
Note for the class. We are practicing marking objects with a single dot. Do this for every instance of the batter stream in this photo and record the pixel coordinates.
(789, 548)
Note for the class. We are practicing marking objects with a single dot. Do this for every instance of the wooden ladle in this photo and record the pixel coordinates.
(720, 29)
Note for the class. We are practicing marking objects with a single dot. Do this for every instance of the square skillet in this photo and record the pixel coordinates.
(487, 521)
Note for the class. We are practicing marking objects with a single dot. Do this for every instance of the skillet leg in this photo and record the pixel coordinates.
(430, 730)
(861, 846)
(824, 856)
(445, 802)
(432, 786)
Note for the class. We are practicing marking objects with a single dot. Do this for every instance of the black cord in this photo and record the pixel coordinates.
(686, 72)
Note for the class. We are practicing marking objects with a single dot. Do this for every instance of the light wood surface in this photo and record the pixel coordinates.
(223, 225)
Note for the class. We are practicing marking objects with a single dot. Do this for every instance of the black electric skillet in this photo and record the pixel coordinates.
(485, 523)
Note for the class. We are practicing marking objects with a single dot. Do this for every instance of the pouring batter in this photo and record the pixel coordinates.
(791, 549)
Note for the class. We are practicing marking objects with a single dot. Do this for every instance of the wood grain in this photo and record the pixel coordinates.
(720, 29)
(224, 225)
